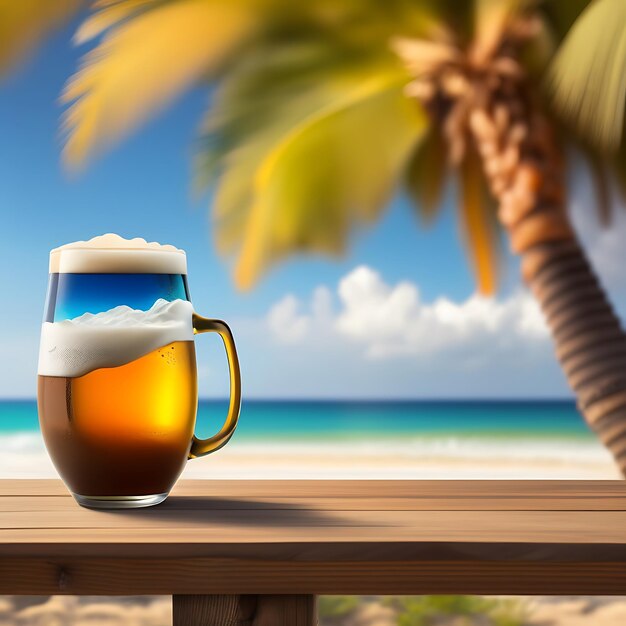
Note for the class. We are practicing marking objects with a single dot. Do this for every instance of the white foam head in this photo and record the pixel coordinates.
(78, 346)
(112, 254)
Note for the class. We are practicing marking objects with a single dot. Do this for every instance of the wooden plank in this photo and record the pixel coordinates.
(332, 551)
(225, 576)
(311, 537)
(151, 529)
(44, 504)
(383, 489)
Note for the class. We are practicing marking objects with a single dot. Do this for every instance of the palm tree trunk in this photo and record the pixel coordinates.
(487, 107)
(590, 342)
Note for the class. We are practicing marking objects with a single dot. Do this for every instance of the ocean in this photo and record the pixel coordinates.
(346, 420)
(328, 438)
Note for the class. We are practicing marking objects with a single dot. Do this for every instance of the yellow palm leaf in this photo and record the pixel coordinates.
(143, 64)
(337, 168)
(478, 224)
(588, 76)
(491, 19)
(109, 14)
(24, 23)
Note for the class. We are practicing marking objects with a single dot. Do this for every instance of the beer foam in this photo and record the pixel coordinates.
(112, 338)
(112, 254)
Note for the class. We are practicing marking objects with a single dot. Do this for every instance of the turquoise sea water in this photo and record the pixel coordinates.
(344, 421)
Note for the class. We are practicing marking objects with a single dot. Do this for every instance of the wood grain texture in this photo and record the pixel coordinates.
(356, 488)
(244, 610)
(313, 537)
(213, 610)
(285, 610)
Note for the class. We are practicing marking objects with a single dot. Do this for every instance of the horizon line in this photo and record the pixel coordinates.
(356, 399)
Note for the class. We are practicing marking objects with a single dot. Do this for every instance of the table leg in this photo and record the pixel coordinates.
(245, 610)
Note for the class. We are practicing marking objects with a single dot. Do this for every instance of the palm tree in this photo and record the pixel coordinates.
(320, 110)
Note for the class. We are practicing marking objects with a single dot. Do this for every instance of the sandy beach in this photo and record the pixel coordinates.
(370, 611)
(24, 456)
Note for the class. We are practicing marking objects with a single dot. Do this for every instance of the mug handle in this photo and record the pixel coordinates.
(200, 447)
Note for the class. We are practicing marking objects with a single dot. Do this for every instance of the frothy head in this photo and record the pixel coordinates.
(78, 346)
(112, 254)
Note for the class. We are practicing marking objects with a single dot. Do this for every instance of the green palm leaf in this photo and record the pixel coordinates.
(562, 15)
(588, 76)
(304, 204)
(297, 173)
(261, 101)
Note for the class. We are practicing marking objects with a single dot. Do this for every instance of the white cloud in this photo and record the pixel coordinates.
(388, 321)
(286, 322)
(392, 320)
(289, 325)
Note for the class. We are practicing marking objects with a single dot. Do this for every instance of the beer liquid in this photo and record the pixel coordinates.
(123, 430)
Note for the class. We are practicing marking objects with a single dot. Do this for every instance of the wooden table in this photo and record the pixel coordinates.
(256, 553)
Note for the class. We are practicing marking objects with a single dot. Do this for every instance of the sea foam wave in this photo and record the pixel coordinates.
(23, 455)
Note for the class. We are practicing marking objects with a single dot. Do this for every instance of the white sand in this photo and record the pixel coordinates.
(24, 456)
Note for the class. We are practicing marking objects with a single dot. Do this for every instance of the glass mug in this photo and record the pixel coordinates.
(117, 383)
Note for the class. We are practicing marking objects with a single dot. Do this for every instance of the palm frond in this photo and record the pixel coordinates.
(275, 88)
(427, 173)
(562, 15)
(539, 50)
(491, 18)
(258, 103)
(588, 75)
(316, 152)
(421, 55)
(478, 224)
(24, 23)
(334, 170)
(108, 14)
(143, 63)
(260, 100)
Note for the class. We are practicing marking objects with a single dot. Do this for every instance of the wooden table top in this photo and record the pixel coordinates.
(313, 537)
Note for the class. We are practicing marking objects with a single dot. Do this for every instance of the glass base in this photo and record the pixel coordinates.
(119, 502)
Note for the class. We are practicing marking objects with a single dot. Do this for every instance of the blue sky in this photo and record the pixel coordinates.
(142, 188)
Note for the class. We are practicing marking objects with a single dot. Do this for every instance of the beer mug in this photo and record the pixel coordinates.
(117, 382)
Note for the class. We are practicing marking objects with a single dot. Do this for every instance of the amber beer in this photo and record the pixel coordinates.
(124, 430)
